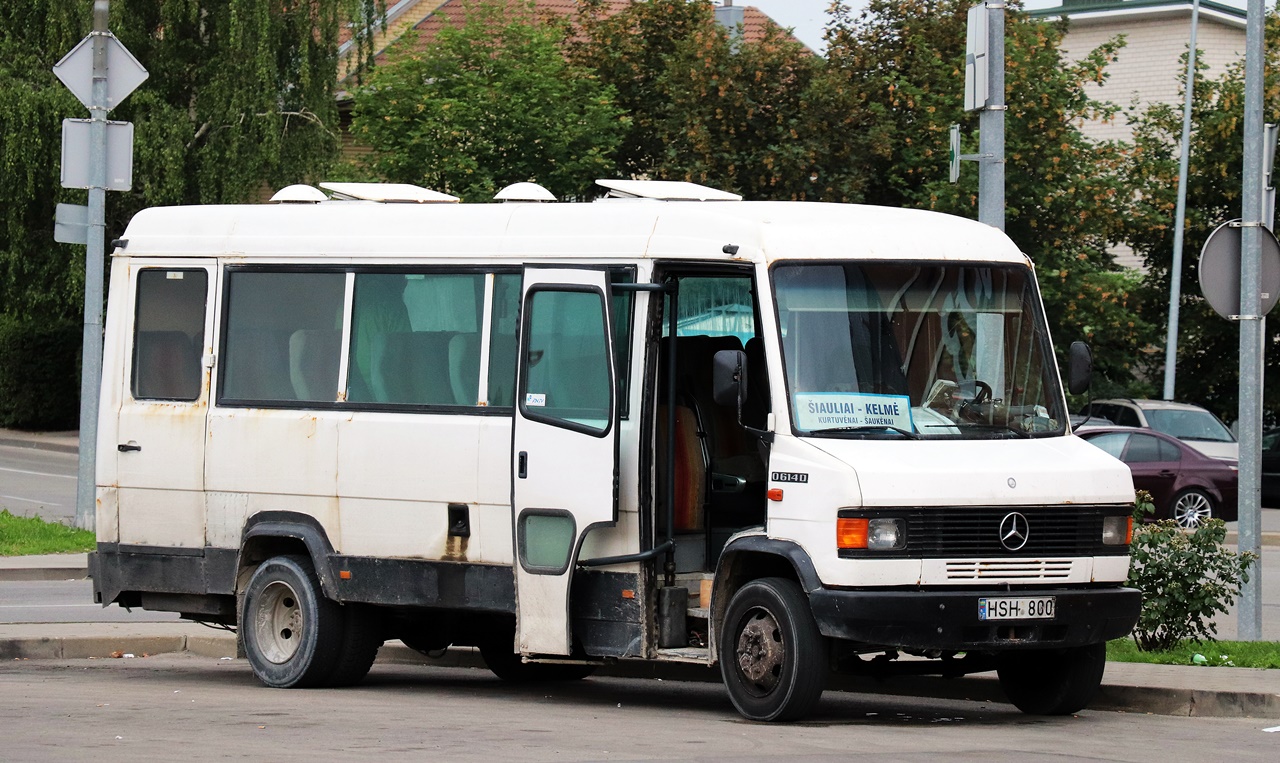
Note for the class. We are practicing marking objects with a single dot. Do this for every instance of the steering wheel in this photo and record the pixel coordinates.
(983, 395)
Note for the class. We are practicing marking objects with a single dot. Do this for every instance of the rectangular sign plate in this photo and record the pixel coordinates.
(1016, 608)
(816, 411)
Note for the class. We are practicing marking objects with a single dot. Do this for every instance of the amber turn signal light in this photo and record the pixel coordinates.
(851, 532)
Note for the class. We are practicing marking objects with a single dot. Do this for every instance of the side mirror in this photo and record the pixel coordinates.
(729, 378)
(1079, 368)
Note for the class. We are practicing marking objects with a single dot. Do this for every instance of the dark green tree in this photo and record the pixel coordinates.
(901, 62)
(486, 103)
(240, 99)
(1208, 345)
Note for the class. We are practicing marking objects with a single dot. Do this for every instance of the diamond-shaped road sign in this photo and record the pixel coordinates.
(124, 72)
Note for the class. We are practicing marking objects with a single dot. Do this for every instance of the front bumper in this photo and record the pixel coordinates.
(948, 620)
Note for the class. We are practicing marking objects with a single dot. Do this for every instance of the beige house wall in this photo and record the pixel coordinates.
(1149, 68)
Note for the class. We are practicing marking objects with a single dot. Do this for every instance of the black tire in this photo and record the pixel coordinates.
(500, 657)
(1052, 681)
(772, 657)
(292, 634)
(361, 638)
(1191, 508)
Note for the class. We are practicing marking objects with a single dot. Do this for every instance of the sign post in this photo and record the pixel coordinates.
(984, 91)
(100, 72)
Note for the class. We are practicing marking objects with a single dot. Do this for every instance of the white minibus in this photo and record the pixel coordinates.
(786, 438)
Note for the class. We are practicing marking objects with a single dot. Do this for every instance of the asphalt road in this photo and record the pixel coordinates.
(38, 482)
(65, 601)
(198, 708)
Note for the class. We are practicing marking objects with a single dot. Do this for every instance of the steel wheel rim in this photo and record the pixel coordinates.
(761, 652)
(277, 626)
(1192, 510)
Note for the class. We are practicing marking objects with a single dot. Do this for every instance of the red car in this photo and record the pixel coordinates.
(1188, 486)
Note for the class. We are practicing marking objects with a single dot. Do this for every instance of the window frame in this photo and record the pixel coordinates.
(133, 337)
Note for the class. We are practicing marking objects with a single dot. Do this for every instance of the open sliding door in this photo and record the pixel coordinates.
(565, 444)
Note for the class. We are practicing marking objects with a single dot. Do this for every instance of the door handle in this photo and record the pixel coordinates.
(125, 447)
(1166, 473)
(522, 469)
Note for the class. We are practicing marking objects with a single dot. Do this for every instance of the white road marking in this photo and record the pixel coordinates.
(47, 606)
(28, 500)
(38, 474)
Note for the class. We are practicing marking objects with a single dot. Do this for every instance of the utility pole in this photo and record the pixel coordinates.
(91, 357)
(991, 124)
(1252, 324)
(96, 155)
(984, 91)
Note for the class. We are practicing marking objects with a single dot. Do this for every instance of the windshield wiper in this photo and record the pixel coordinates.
(995, 428)
(907, 433)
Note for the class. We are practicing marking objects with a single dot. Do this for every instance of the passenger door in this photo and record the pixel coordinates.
(1154, 464)
(161, 423)
(565, 444)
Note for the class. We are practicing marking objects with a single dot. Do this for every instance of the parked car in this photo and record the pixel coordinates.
(1187, 486)
(1271, 468)
(1190, 423)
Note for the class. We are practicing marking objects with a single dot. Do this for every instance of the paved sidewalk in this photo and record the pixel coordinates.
(1127, 687)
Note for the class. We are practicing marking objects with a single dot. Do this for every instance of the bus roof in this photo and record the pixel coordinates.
(761, 231)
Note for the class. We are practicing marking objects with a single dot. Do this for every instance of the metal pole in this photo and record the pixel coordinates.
(1251, 326)
(1180, 216)
(91, 359)
(991, 125)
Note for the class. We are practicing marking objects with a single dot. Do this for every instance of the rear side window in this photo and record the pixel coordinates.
(283, 337)
(168, 334)
(1143, 449)
(415, 338)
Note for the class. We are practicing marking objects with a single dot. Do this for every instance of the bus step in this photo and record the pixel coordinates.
(699, 655)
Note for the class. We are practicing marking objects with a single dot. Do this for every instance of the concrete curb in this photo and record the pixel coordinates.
(12, 574)
(981, 687)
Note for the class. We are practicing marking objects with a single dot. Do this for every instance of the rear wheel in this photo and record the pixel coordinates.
(292, 634)
(1192, 508)
(361, 638)
(1052, 681)
(772, 657)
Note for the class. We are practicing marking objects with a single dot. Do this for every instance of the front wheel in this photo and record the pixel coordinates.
(772, 657)
(292, 634)
(1052, 681)
(1192, 508)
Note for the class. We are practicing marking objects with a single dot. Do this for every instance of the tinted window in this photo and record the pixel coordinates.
(1125, 416)
(1112, 442)
(168, 338)
(567, 376)
(1143, 449)
(415, 338)
(283, 336)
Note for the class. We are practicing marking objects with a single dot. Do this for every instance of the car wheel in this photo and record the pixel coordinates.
(772, 657)
(1192, 508)
(1052, 681)
(292, 633)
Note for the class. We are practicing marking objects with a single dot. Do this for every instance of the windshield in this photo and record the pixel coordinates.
(916, 350)
(1189, 424)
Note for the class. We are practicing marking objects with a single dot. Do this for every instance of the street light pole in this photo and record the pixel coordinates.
(1180, 216)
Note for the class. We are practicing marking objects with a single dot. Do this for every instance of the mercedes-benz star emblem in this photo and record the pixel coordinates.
(1014, 531)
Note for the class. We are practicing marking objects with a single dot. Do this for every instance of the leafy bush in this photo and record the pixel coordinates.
(39, 373)
(1185, 577)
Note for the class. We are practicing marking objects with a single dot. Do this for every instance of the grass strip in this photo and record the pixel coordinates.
(23, 536)
(1231, 654)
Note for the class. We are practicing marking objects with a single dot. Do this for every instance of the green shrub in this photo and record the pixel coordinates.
(39, 373)
(1185, 577)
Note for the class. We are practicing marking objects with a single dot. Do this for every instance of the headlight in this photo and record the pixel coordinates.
(1117, 531)
(879, 534)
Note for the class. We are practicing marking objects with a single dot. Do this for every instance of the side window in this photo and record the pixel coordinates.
(566, 381)
(502, 339)
(168, 334)
(1143, 449)
(283, 336)
(1169, 451)
(415, 338)
(1112, 442)
(1125, 416)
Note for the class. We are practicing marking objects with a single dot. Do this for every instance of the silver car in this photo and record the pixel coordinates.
(1190, 423)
